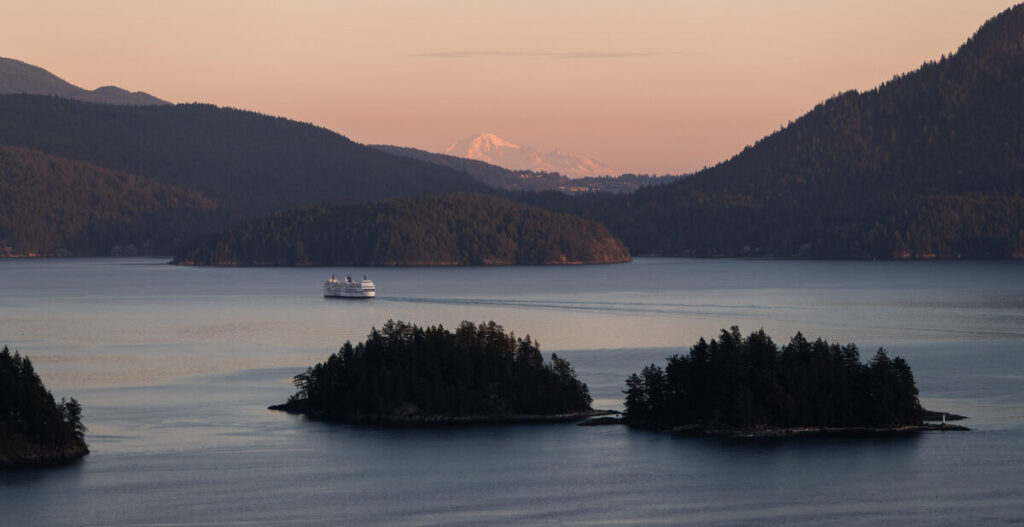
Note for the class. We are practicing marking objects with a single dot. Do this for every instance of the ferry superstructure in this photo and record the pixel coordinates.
(347, 288)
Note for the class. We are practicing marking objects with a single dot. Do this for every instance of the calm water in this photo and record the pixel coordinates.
(175, 367)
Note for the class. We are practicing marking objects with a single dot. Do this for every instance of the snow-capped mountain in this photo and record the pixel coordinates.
(497, 151)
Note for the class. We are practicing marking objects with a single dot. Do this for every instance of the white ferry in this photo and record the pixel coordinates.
(334, 288)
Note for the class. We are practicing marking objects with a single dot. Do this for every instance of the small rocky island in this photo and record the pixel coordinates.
(35, 430)
(748, 387)
(456, 229)
(406, 374)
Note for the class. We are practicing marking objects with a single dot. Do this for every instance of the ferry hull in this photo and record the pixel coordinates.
(368, 294)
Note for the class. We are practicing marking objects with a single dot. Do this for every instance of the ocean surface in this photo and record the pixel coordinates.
(175, 367)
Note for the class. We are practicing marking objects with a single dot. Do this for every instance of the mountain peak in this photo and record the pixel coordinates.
(115, 95)
(479, 146)
(20, 77)
(492, 149)
(494, 140)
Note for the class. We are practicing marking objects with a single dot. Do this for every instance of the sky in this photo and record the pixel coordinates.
(660, 87)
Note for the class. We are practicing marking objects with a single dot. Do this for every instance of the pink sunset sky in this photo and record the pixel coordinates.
(648, 87)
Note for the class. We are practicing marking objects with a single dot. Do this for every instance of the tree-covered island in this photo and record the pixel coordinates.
(457, 229)
(748, 386)
(35, 430)
(404, 373)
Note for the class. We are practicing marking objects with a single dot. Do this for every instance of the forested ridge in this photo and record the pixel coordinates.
(431, 230)
(750, 382)
(929, 164)
(254, 163)
(407, 373)
(55, 206)
(34, 428)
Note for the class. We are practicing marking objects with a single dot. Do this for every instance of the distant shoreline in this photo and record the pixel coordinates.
(393, 265)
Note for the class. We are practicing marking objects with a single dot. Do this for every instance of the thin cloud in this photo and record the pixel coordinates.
(465, 54)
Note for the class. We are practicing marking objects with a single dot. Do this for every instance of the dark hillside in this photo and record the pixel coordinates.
(55, 206)
(255, 162)
(930, 164)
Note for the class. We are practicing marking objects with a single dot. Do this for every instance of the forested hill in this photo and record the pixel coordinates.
(433, 230)
(930, 164)
(55, 207)
(259, 162)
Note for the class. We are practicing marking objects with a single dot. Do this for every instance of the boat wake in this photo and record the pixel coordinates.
(634, 308)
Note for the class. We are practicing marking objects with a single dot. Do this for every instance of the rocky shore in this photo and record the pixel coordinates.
(34, 457)
(813, 431)
(808, 431)
(420, 419)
